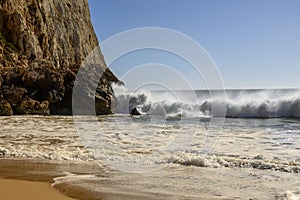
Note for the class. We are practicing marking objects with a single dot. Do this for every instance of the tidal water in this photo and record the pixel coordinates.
(246, 155)
(171, 153)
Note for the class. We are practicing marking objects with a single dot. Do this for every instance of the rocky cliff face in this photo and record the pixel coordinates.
(42, 45)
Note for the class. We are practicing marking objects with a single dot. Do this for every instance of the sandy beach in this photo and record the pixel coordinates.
(32, 178)
(29, 190)
(243, 167)
(149, 100)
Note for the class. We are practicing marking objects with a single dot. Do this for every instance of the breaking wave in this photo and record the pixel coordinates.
(281, 103)
(217, 161)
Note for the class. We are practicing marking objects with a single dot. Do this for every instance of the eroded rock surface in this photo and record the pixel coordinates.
(42, 46)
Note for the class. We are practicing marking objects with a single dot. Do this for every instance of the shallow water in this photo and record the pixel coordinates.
(257, 158)
(52, 138)
(179, 182)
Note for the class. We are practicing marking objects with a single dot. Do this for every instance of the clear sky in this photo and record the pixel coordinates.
(254, 43)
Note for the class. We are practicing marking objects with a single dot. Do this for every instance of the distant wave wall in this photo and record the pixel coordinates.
(282, 103)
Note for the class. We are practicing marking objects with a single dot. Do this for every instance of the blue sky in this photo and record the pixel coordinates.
(254, 43)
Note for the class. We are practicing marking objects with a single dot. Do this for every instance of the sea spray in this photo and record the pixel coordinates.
(283, 103)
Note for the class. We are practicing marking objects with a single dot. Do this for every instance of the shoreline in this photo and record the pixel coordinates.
(69, 180)
(33, 178)
(29, 190)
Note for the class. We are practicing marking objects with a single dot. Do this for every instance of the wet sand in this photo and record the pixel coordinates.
(29, 190)
(31, 179)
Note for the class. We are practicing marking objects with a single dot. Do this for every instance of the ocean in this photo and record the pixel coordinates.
(177, 148)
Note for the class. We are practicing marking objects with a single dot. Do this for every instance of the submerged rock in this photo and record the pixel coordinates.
(42, 46)
(135, 112)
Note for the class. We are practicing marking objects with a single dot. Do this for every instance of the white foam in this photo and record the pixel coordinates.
(240, 103)
(216, 161)
(288, 195)
(70, 177)
(53, 138)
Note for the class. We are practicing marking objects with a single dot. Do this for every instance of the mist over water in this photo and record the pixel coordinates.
(276, 103)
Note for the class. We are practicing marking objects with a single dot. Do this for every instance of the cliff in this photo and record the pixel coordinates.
(42, 45)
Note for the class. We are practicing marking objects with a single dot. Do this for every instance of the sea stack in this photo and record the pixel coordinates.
(42, 46)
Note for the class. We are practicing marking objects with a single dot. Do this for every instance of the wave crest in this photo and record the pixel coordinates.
(239, 103)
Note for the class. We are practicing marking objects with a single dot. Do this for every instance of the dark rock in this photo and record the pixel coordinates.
(135, 101)
(64, 107)
(94, 94)
(135, 112)
(13, 75)
(29, 106)
(1, 80)
(5, 108)
(42, 54)
(14, 94)
(44, 82)
(69, 78)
